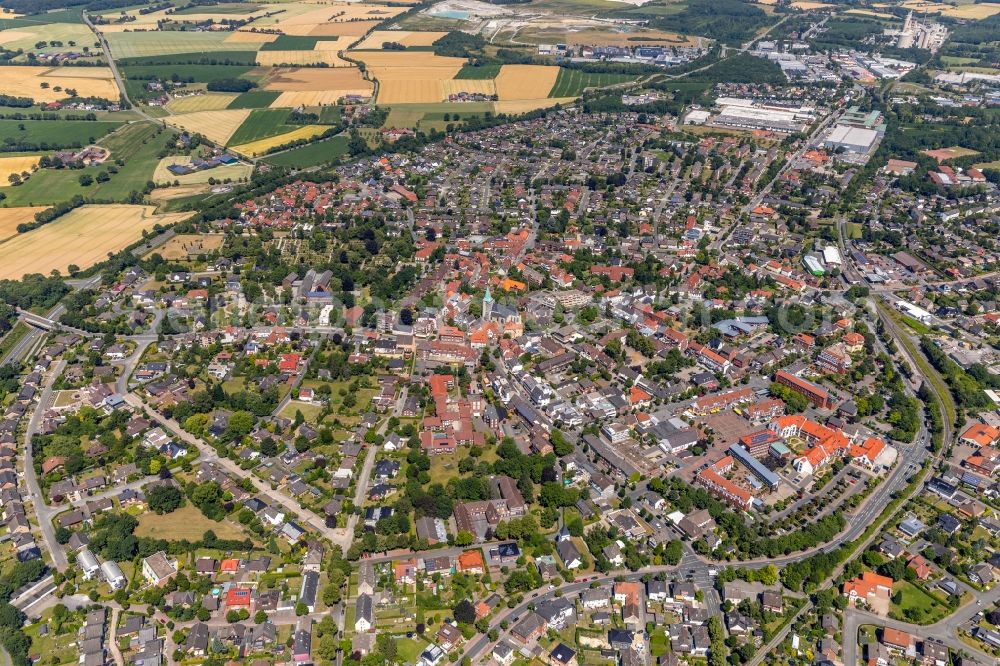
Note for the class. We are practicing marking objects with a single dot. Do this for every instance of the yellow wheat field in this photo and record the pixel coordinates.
(399, 60)
(11, 217)
(83, 236)
(17, 164)
(806, 5)
(217, 126)
(474, 86)
(231, 172)
(868, 12)
(404, 37)
(260, 147)
(525, 105)
(251, 38)
(26, 81)
(518, 82)
(410, 91)
(14, 35)
(314, 57)
(209, 102)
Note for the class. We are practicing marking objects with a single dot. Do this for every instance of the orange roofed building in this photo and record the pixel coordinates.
(868, 588)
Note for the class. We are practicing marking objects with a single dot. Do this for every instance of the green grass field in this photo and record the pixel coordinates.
(314, 154)
(261, 124)
(572, 82)
(329, 115)
(916, 605)
(136, 144)
(244, 57)
(195, 73)
(291, 43)
(54, 134)
(255, 99)
(490, 71)
(12, 337)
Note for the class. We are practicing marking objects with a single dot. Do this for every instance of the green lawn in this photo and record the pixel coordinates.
(409, 649)
(915, 605)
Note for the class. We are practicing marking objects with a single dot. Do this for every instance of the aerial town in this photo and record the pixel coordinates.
(694, 364)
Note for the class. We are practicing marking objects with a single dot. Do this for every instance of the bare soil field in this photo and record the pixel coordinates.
(84, 236)
(943, 154)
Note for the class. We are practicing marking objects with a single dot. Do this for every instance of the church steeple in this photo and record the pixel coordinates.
(487, 305)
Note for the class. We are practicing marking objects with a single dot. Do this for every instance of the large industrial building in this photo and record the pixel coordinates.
(751, 114)
(852, 139)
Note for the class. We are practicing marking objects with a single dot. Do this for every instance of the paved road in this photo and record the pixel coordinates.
(43, 512)
(209, 454)
(943, 631)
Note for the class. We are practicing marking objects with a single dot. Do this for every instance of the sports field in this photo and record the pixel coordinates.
(18, 165)
(232, 172)
(84, 236)
(209, 102)
(943, 154)
(28, 81)
(11, 217)
(525, 82)
(218, 126)
(261, 146)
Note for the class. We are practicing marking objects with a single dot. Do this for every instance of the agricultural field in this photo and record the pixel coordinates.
(407, 38)
(28, 33)
(572, 82)
(83, 237)
(254, 99)
(217, 126)
(262, 146)
(194, 103)
(517, 106)
(50, 84)
(222, 173)
(406, 77)
(261, 124)
(972, 11)
(155, 43)
(11, 217)
(316, 86)
(16, 165)
(525, 82)
(601, 35)
(315, 154)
